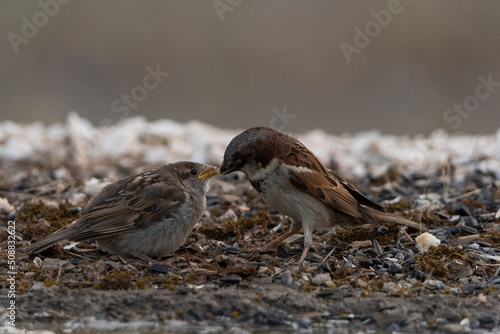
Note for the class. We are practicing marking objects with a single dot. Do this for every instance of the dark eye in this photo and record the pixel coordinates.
(193, 172)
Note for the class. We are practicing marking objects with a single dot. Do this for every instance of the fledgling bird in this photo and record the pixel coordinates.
(292, 180)
(147, 215)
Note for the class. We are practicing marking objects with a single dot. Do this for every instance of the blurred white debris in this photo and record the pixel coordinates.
(93, 186)
(228, 216)
(397, 199)
(426, 241)
(72, 245)
(8, 329)
(5, 205)
(78, 199)
(61, 173)
(165, 141)
(38, 262)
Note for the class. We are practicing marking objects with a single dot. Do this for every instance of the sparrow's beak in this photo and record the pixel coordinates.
(226, 168)
(209, 172)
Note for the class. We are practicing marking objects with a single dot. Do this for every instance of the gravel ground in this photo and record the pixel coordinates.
(355, 278)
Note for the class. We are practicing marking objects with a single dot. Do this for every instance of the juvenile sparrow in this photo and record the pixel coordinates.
(146, 215)
(294, 181)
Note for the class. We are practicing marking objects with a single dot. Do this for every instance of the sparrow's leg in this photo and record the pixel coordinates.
(169, 261)
(304, 253)
(147, 259)
(273, 244)
(294, 229)
(307, 242)
(144, 258)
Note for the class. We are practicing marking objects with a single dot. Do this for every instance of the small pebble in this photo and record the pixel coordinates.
(232, 250)
(158, 268)
(471, 288)
(321, 279)
(11, 215)
(460, 209)
(382, 229)
(471, 221)
(394, 268)
(361, 244)
(366, 263)
(434, 284)
(453, 230)
(409, 254)
(420, 275)
(295, 251)
(324, 268)
(400, 257)
(286, 279)
(257, 264)
(377, 247)
(305, 322)
(282, 252)
(468, 229)
(486, 322)
(391, 287)
(228, 216)
(404, 322)
(483, 243)
(325, 293)
(233, 279)
(385, 255)
(191, 313)
(473, 246)
(494, 281)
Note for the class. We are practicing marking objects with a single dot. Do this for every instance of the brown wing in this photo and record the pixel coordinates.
(114, 211)
(320, 182)
(362, 199)
(329, 192)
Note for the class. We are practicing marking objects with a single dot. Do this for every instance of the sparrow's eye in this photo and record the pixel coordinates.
(193, 172)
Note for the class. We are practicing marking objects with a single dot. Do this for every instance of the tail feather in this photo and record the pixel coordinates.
(49, 241)
(383, 217)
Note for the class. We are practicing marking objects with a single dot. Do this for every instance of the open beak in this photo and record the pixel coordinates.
(209, 172)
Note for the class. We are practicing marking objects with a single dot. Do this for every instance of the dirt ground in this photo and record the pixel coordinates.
(359, 278)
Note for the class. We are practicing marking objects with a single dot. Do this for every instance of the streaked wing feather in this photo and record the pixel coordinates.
(129, 209)
(324, 184)
(333, 195)
(362, 199)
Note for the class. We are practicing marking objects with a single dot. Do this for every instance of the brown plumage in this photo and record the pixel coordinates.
(149, 214)
(294, 181)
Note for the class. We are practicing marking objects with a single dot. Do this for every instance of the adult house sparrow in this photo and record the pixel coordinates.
(146, 215)
(294, 181)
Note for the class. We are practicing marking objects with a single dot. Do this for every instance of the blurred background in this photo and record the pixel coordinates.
(342, 66)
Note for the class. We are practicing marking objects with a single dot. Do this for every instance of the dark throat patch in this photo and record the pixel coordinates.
(257, 185)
